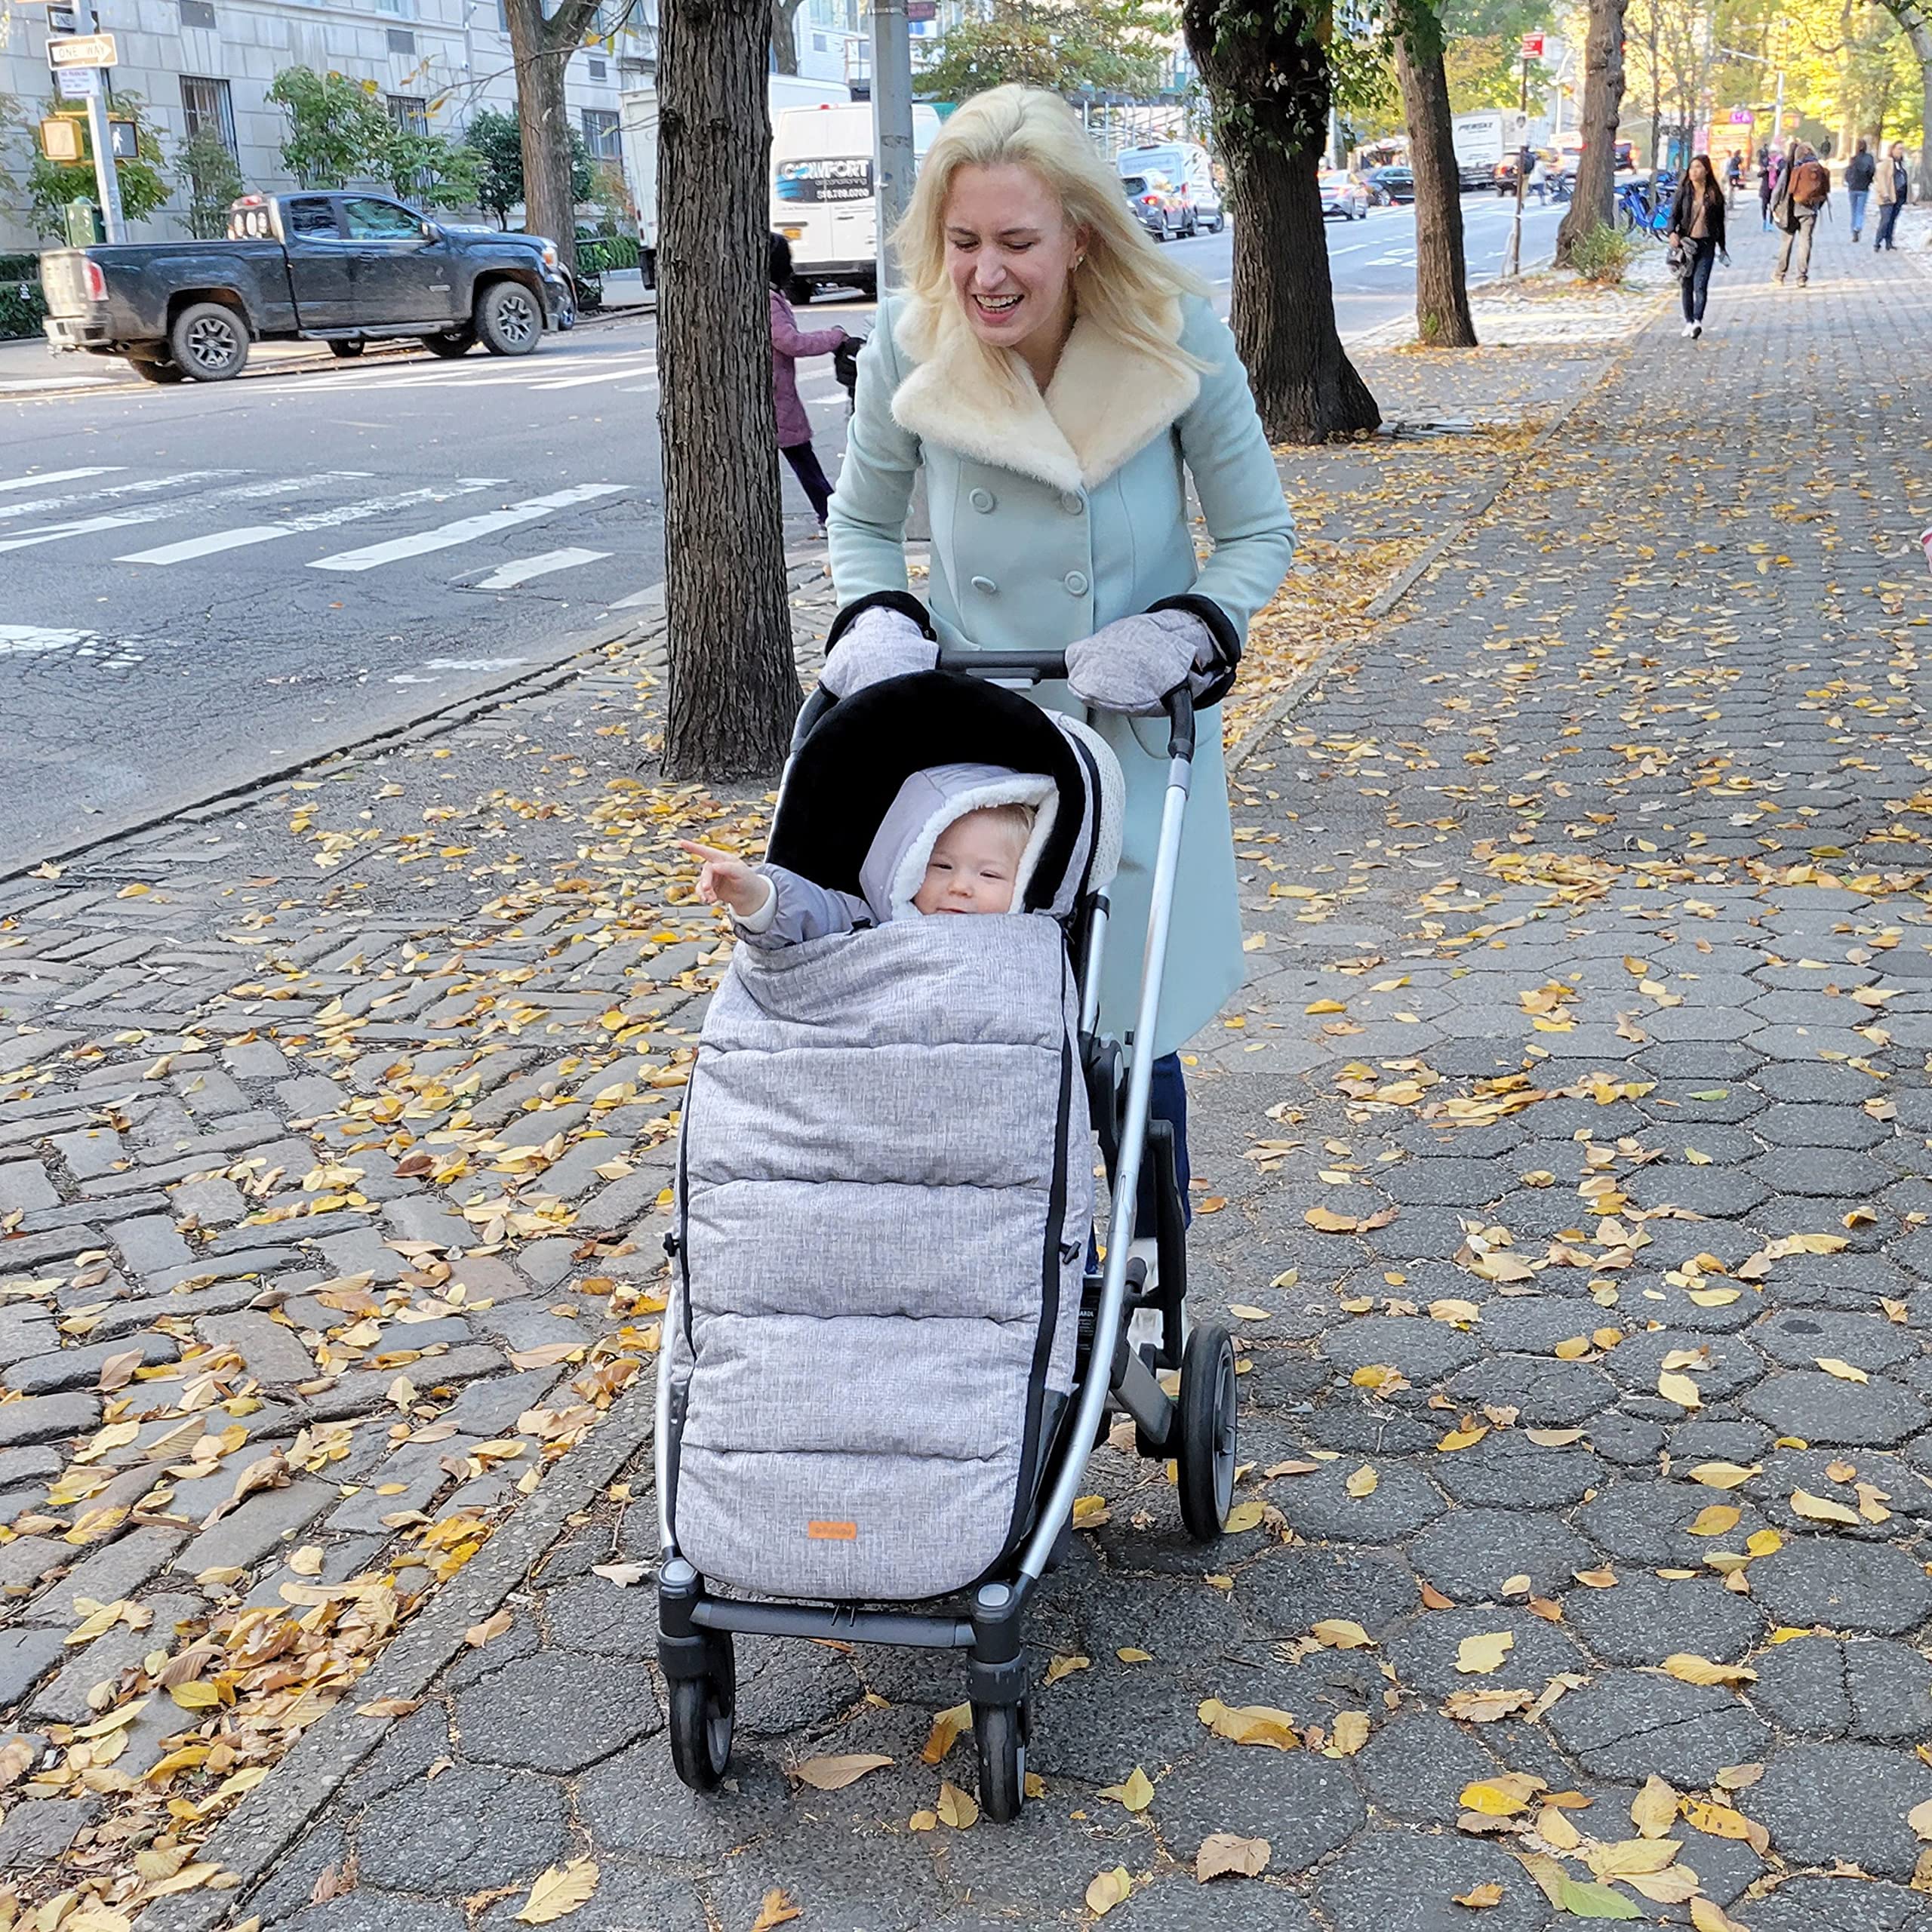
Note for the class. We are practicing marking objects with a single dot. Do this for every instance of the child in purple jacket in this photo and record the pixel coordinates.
(789, 342)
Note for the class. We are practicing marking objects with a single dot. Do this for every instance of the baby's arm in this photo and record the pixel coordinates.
(770, 905)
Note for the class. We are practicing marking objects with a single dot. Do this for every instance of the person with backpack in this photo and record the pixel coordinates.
(1858, 174)
(1697, 236)
(1889, 191)
(1804, 188)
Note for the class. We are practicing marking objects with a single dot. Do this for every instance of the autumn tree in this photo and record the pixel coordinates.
(1115, 46)
(1915, 17)
(734, 690)
(1265, 63)
(541, 44)
(1594, 201)
(1442, 290)
(785, 35)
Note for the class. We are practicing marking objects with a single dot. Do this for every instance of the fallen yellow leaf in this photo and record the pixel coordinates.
(1224, 1852)
(1134, 1793)
(561, 1891)
(835, 1774)
(1109, 1889)
(1477, 1656)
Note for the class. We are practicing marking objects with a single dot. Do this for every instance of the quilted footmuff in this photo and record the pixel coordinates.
(885, 1189)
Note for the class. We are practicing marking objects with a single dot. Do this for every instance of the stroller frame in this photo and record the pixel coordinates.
(1196, 1427)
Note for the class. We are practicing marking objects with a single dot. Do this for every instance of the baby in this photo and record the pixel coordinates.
(957, 838)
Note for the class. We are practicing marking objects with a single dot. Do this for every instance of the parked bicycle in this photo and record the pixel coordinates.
(1645, 204)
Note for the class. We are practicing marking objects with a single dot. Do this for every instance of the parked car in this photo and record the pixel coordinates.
(1343, 194)
(1155, 199)
(1185, 163)
(343, 269)
(1391, 184)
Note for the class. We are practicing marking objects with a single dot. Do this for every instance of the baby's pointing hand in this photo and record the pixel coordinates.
(724, 879)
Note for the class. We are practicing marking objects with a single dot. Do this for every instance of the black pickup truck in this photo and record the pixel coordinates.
(342, 269)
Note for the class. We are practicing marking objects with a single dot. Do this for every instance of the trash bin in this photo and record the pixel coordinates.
(85, 227)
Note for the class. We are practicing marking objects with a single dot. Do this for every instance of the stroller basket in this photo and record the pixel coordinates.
(888, 1352)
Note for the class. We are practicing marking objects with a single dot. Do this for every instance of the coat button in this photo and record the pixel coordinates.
(1076, 583)
(982, 500)
(1071, 503)
(984, 586)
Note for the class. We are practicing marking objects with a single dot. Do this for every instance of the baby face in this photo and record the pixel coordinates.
(973, 867)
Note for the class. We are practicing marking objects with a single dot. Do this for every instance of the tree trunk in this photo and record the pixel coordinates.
(1593, 203)
(1442, 293)
(540, 47)
(1917, 21)
(733, 689)
(785, 35)
(1283, 303)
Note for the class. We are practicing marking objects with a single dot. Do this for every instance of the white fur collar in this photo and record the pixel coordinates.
(1106, 402)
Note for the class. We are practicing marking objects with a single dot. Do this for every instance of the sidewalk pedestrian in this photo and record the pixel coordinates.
(1893, 186)
(1858, 174)
(789, 342)
(1697, 227)
(1767, 185)
(1804, 188)
(1733, 176)
(1052, 377)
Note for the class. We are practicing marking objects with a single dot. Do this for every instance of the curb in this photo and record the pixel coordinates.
(1386, 600)
(250, 1842)
(433, 719)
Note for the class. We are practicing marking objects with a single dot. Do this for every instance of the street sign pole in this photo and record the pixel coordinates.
(892, 125)
(1512, 262)
(106, 178)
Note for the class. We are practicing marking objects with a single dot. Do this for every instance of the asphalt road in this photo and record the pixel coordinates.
(208, 582)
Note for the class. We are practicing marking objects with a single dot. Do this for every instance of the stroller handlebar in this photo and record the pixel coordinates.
(1038, 667)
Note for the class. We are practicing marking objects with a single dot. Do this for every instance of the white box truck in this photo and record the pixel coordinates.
(823, 198)
(637, 128)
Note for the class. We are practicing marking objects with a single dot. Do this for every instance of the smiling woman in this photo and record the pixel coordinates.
(1057, 383)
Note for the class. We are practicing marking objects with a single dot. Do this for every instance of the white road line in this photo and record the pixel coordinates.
(482, 375)
(282, 486)
(21, 640)
(29, 384)
(251, 533)
(146, 487)
(601, 376)
(466, 530)
(651, 594)
(505, 576)
(60, 476)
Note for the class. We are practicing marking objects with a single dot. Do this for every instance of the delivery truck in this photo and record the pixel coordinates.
(822, 197)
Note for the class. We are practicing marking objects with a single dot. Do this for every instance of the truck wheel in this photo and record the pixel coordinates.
(507, 320)
(346, 346)
(150, 370)
(451, 343)
(209, 343)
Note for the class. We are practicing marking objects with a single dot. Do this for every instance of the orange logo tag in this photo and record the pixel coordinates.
(832, 1532)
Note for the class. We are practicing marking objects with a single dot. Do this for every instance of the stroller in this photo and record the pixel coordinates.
(889, 1350)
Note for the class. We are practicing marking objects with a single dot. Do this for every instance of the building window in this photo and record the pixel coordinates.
(197, 13)
(598, 69)
(836, 16)
(600, 133)
(410, 112)
(402, 40)
(402, 9)
(206, 104)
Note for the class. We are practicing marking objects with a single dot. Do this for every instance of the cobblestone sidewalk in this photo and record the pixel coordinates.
(1564, 1167)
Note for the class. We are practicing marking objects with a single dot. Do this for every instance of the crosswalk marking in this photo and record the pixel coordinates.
(147, 487)
(59, 476)
(601, 376)
(283, 486)
(247, 534)
(505, 576)
(482, 375)
(465, 529)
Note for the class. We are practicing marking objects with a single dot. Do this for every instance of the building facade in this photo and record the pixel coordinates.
(197, 63)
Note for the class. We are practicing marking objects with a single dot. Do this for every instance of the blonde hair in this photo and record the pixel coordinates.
(1125, 287)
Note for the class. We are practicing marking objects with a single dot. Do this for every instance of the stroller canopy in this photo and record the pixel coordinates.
(844, 778)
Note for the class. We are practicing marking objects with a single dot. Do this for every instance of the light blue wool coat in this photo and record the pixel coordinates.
(1054, 515)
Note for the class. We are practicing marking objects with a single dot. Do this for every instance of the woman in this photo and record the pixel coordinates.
(1889, 189)
(1052, 376)
(1767, 184)
(1696, 226)
(789, 342)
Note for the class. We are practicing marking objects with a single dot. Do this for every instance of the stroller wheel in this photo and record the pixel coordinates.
(702, 1708)
(1204, 1432)
(1000, 1732)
